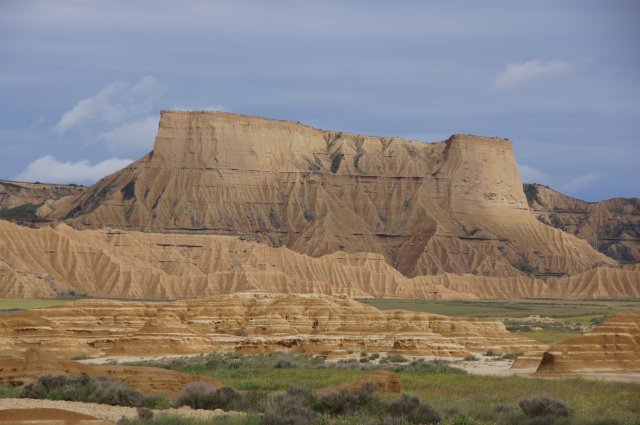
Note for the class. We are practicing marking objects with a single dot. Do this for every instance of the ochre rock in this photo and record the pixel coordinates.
(611, 226)
(451, 207)
(49, 262)
(385, 381)
(313, 324)
(611, 348)
(21, 367)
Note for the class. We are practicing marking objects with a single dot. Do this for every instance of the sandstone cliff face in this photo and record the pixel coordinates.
(315, 324)
(49, 262)
(613, 347)
(450, 207)
(612, 226)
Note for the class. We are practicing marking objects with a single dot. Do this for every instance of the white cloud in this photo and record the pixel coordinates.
(533, 175)
(50, 170)
(580, 183)
(133, 135)
(113, 105)
(518, 73)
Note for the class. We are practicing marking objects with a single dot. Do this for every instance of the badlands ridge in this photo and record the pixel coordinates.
(227, 203)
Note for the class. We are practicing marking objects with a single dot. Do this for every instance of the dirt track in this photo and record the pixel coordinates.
(103, 411)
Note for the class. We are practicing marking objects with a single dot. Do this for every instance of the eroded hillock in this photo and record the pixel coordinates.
(20, 201)
(612, 348)
(612, 226)
(451, 207)
(252, 323)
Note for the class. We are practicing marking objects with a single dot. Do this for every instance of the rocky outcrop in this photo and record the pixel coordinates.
(451, 207)
(612, 226)
(50, 262)
(612, 348)
(22, 367)
(251, 323)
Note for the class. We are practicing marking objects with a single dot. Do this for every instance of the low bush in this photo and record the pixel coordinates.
(83, 388)
(412, 409)
(431, 366)
(157, 402)
(145, 414)
(283, 363)
(290, 408)
(202, 395)
(393, 358)
(543, 406)
(348, 400)
(163, 420)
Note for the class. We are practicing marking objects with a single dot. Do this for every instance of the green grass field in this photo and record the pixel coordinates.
(27, 304)
(450, 391)
(569, 312)
(579, 311)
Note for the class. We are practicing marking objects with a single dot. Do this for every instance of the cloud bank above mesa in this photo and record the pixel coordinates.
(122, 116)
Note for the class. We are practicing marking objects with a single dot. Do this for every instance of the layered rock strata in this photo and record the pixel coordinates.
(451, 207)
(50, 262)
(611, 348)
(251, 323)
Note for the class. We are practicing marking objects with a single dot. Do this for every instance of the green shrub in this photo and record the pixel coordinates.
(393, 358)
(431, 366)
(164, 420)
(348, 400)
(83, 388)
(145, 414)
(283, 363)
(290, 408)
(543, 407)
(412, 409)
(157, 402)
(202, 395)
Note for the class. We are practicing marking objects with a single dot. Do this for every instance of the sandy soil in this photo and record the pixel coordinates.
(103, 411)
(42, 416)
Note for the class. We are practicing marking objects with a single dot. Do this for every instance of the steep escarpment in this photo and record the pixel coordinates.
(613, 347)
(251, 323)
(611, 226)
(450, 207)
(108, 263)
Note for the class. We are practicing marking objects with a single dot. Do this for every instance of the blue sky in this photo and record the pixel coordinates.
(82, 83)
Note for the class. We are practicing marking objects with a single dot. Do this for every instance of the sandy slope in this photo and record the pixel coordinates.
(48, 262)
